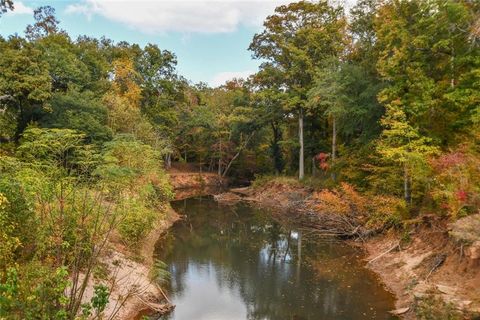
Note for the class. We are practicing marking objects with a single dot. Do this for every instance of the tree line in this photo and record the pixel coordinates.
(385, 97)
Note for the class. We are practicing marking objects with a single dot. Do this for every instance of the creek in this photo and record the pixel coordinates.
(239, 262)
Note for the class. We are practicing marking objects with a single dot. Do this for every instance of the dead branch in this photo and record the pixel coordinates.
(397, 245)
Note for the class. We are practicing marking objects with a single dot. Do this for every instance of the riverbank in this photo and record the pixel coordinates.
(188, 182)
(127, 273)
(133, 292)
(432, 272)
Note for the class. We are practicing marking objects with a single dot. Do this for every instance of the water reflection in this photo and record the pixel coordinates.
(238, 263)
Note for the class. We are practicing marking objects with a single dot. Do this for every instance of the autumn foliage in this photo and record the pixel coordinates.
(374, 210)
(456, 190)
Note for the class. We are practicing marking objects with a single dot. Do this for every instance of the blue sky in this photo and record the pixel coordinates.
(210, 38)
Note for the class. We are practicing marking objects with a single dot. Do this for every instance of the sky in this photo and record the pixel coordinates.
(209, 38)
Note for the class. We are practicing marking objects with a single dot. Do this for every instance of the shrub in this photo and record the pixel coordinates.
(344, 200)
(137, 220)
(431, 308)
(456, 187)
(264, 180)
(377, 210)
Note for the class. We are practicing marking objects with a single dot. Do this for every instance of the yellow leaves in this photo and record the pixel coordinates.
(125, 81)
(344, 201)
(331, 201)
(377, 209)
(3, 201)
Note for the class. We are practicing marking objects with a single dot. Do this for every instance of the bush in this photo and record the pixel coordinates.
(34, 290)
(137, 220)
(431, 308)
(456, 188)
(376, 210)
(264, 180)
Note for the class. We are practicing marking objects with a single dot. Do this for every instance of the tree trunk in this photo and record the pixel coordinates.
(314, 167)
(301, 164)
(168, 161)
(406, 186)
(237, 154)
(452, 67)
(276, 152)
(334, 146)
(220, 159)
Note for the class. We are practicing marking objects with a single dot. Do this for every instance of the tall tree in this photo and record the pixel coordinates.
(25, 84)
(295, 41)
(45, 23)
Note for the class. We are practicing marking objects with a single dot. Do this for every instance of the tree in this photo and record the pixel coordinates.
(25, 84)
(295, 41)
(267, 113)
(5, 5)
(329, 94)
(424, 60)
(80, 111)
(45, 23)
(64, 65)
(402, 144)
(161, 88)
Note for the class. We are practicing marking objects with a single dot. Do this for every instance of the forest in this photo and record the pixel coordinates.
(383, 99)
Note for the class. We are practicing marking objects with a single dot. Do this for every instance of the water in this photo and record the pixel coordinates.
(237, 263)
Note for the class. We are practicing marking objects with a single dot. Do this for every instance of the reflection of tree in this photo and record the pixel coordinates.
(259, 258)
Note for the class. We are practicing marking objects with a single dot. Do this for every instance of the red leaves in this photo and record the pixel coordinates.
(322, 159)
(461, 195)
(449, 160)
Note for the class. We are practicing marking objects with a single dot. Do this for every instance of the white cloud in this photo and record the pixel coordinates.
(189, 16)
(222, 77)
(20, 8)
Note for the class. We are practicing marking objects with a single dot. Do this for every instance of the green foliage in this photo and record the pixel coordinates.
(9, 242)
(34, 292)
(100, 298)
(160, 272)
(79, 111)
(137, 220)
(394, 90)
(432, 308)
(24, 84)
(138, 184)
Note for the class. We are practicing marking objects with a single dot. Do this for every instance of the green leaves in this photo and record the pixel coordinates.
(52, 147)
(80, 111)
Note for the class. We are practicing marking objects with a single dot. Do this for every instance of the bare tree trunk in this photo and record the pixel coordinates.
(242, 146)
(314, 167)
(210, 165)
(406, 185)
(334, 145)
(168, 161)
(220, 159)
(301, 164)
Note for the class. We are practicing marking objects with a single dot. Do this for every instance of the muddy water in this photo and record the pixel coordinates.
(237, 263)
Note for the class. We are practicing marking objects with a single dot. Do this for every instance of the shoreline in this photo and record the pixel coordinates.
(420, 267)
(406, 267)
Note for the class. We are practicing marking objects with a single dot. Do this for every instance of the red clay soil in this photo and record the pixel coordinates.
(188, 180)
(414, 269)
